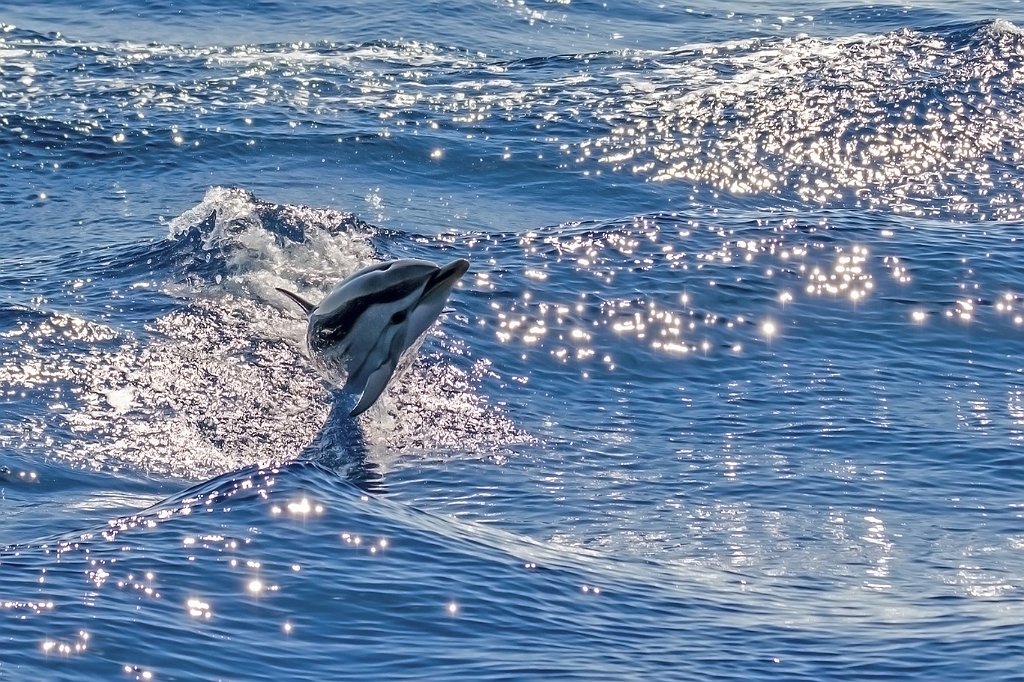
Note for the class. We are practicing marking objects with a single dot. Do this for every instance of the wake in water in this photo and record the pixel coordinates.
(219, 381)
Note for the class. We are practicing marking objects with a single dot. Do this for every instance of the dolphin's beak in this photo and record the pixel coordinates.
(447, 276)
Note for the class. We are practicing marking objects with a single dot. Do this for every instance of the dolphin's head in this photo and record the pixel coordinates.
(358, 333)
(435, 295)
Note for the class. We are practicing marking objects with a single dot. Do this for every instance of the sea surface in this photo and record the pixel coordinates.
(734, 388)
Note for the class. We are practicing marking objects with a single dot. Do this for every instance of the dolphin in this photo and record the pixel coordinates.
(358, 333)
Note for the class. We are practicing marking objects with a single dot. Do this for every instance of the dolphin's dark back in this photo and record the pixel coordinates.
(334, 324)
(358, 333)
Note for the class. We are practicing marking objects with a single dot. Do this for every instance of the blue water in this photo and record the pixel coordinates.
(733, 388)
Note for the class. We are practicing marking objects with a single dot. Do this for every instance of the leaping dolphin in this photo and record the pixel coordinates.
(359, 332)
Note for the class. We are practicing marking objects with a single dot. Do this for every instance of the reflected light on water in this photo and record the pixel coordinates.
(140, 674)
(303, 507)
(981, 582)
(197, 608)
(689, 294)
(877, 536)
(76, 646)
(828, 121)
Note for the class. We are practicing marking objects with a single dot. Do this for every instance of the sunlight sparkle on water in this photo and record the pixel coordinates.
(78, 646)
(197, 608)
(303, 507)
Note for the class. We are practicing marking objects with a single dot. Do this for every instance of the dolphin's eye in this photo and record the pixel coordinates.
(399, 317)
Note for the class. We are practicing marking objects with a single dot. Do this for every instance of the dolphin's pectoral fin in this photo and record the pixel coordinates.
(375, 385)
(378, 379)
(303, 303)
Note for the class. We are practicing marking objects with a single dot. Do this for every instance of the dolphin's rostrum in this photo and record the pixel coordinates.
(359, 332)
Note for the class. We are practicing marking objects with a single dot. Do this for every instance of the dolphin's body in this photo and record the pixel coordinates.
(359, 332)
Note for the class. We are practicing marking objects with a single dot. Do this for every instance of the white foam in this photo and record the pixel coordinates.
(1004, 26)
(259, 260)
(121, 399)
(222, 381)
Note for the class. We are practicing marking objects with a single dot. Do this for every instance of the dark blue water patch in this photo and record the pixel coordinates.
(108, 289)
(885, 17)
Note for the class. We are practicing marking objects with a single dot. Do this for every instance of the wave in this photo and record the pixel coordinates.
(921, 122)
(299, 547)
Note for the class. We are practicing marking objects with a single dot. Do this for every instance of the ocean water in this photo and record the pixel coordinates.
(733, 390)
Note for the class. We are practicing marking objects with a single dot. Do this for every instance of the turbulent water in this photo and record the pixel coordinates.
(733, 388)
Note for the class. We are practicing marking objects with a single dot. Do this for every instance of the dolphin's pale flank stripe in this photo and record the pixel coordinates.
(358, 333)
